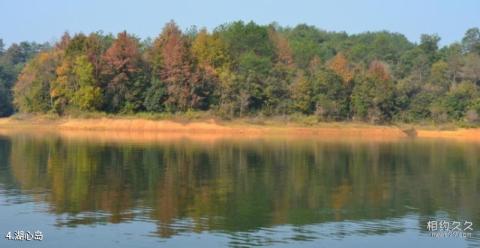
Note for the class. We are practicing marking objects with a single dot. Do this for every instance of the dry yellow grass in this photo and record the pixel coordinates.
(210, 127)
(136, 128)
(472, 134)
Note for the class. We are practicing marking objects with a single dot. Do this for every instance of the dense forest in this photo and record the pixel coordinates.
(245, 69)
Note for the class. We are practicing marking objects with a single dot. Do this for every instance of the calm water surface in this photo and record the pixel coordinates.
(279, 192)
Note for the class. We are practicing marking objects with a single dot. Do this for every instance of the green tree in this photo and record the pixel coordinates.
(252, 74)
(331, 95)
(87, 95)
(244, 38)
(453, 56)
(471, 41)
(302, 94)
(210, 50)
(429, 44)
(459, 99)
(32, 90)
(308, 42)
(373, 95)
(5, 99)
(12, 61)
(156, 96)
(385, 46)
(440, 75)
(6, 107)
(471, 68)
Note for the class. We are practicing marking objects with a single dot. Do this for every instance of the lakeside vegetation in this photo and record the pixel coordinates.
(245, 70)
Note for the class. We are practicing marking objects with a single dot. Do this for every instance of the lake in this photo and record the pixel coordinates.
(237, 192)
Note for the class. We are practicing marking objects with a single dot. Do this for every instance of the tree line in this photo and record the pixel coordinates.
(244, 69)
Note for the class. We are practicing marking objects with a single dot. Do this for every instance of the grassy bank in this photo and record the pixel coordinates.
(204, 123)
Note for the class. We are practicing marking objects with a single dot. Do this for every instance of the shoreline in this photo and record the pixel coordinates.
(229, 128)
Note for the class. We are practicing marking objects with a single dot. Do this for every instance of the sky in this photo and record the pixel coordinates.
(47, 20)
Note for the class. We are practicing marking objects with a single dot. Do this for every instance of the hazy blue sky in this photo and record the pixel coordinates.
(46, 20)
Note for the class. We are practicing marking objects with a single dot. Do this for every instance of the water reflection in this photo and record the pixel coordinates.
(248, 189)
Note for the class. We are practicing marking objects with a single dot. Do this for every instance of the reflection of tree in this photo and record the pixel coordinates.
(5, 178)
(234, 185)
